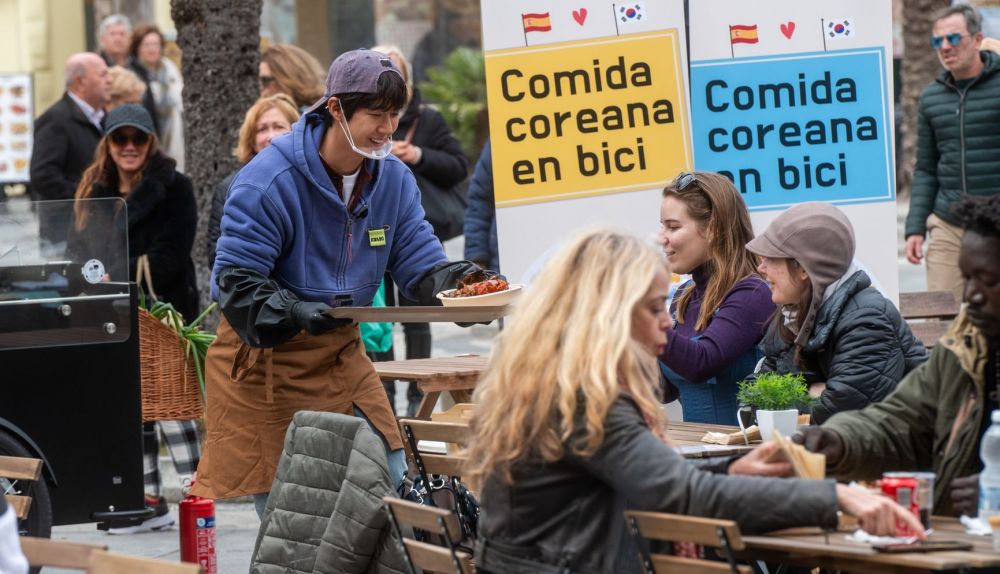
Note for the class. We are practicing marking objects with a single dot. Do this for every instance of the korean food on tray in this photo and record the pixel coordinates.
(478, 283)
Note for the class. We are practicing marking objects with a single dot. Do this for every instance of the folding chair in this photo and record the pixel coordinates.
(13, 469)
(58, 553)
(439, 462)
(428, 557)
(723, 535)
(113, 563)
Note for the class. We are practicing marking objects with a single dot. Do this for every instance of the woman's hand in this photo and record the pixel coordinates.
(407, 152)
(755, 463)
(877, 515)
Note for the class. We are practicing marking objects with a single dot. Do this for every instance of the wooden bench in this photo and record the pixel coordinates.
(928, 313)
(17, 468)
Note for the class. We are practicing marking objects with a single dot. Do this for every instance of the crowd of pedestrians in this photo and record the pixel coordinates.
(348, 181)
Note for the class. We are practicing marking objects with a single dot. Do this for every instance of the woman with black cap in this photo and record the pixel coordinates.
(162, 216)
(832, 326)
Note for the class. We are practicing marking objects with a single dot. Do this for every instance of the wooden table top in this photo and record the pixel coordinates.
(810, 547)
(465, 366)
(687, 440)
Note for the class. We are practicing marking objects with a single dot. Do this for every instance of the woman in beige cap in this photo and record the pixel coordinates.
(832, 325)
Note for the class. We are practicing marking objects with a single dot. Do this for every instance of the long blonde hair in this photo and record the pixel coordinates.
(296, 72)
(566, 357)
(717, 207)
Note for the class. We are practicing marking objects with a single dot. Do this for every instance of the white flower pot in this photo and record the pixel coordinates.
(785, 422)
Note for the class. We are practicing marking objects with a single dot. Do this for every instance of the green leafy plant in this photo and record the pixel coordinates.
(458, 88)
(195, 340)
(774, 392)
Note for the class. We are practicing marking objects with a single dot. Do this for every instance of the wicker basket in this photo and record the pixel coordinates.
(170, 389)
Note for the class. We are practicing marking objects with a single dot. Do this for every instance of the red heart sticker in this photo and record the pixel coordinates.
(580, 15)
(788, 29)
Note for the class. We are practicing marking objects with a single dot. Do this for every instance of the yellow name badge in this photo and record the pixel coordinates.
(376, 237)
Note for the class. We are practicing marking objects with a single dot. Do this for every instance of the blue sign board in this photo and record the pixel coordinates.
(796, 127)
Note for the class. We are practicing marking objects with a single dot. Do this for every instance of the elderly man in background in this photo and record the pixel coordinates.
(66, 136)
(115, 39)
(958, 144)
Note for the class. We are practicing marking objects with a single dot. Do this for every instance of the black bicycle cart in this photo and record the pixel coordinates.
(69, 362)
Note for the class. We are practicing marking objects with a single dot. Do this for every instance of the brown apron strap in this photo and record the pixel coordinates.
(269, 374)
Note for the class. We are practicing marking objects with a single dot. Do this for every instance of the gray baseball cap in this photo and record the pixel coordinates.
(355, 72)
(132, 115)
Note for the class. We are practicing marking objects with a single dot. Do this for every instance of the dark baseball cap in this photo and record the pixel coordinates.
(355, 72)
(131, 115)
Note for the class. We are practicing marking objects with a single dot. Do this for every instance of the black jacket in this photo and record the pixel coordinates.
(569, 513)
(860, 347)
(63, 147)
(162, 220)
(442, 166)
(219, 194)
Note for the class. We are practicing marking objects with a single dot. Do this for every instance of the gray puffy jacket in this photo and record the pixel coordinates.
(324, 514)
(859, 346)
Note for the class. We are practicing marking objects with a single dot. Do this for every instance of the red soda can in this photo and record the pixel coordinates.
(904, 491)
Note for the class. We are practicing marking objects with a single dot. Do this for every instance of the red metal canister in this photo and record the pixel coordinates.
(198, 533)
(904, 491)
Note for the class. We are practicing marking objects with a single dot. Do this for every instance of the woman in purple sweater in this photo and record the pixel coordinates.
(720, 316)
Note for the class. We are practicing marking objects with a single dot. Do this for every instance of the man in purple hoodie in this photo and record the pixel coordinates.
(313, 222)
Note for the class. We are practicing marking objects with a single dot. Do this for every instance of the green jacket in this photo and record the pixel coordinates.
(931, 421)
(958, 144)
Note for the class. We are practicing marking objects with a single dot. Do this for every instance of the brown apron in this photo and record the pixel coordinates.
(253, 393)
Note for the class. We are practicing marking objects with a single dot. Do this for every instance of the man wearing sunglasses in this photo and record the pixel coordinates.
(958, 144)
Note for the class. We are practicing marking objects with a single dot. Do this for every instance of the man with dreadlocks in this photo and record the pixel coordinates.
(938, 414)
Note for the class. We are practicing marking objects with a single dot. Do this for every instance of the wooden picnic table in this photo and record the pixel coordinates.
(810, 547)
(456, 375)
(686, 438)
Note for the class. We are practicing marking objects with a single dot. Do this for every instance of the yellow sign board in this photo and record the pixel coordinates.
(584, 118)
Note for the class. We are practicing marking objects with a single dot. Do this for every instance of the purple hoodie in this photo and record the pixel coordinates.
(739, 323)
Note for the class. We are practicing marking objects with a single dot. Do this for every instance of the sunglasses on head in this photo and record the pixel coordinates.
(954, 39)
(120, 138)
(684, 181)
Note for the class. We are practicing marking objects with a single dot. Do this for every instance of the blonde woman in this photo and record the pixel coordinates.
(126, 88)
(568, 432)
(288, 69)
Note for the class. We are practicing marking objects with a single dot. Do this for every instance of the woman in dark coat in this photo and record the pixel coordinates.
(162, 217)
(162, 214)
(832, 326)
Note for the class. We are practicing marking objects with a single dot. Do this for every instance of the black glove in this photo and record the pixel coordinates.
(311, 317)
(442, 277)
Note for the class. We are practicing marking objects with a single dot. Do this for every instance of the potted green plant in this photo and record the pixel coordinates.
(776, 399)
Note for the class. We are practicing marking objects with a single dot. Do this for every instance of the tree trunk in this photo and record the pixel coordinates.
(920, 66)
(220, 42)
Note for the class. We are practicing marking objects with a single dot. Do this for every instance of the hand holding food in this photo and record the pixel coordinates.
(480, 282)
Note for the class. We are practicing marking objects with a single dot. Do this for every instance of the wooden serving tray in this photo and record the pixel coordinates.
(428, 314)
